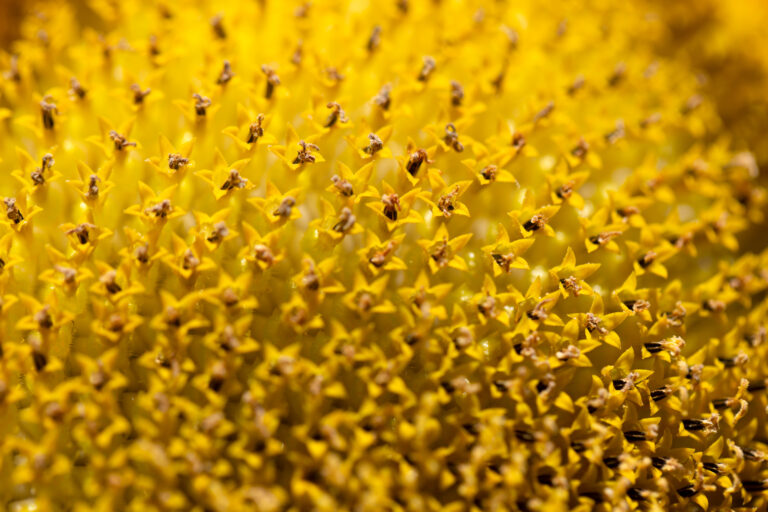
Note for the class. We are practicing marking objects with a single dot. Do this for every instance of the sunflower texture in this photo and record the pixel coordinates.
(347, 255)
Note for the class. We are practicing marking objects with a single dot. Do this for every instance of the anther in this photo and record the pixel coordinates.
(380, 257)
(272, 80)
(337, 114)
(391, 205)
(76, 89)
(285, 207)
(544, 112)
(565, 190)
(577, 84)
(82, 232)
(226, 74)
(415, 160)
(234, 180)
(264, 254)
(489, 172)
(219, 232)
(346, 221)
(457, 93)
(616, 134)
(217, 24)
(375, 144)
(48, 108)
(382, 98)
(343, 186)
(451, 138)
(12, 211)
(160, 210)
(518, 141)
(374, 40)
(535, 223)
(108, 279)
(189, 260)
(138, 94)
(446, 202)
(201, 104)
(617, 75)
(305, 155)
(176, 161)
(256, 130)
(93, 187)
(120, 140)
(427, 68)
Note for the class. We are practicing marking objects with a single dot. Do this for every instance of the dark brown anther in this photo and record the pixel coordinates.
(604, 237)
(380, 257)
(337, 114)
(284, 209)
(226, 74)
(618, 74)
(616, 134)
(120, 140)
(487, 306)
(538, 312)
(82, 232)
(256, 130)
(116, 322)
(757, 337)
(310, 280)
(628, 211)
(43, 317)
(201, 104)
(93, 187)
(48, 108)
(382, 99)
(524, 436)
(647, 259)
(691, 104)
(457, 93)
(160, 210)
(403, 6)
(230, 297)
(518, 141)
(333, 74)
(217, 24)
(660, 393)
(375, 144)
(38, 175)
(446, 202)
(576, 86)
(219, 232)
(391, 205)
(595, 324)
(76, 89)
(68, 275)
(297, 53)
(637, 306)
(234, 180)
(451, 138)
(374, 40)
(264, 254)
(346, 221)
(305, 155)
(427, 69)
(343, 186)
(415, 160)
(580, 150)
(635, 436)
(565, 190)
(571, 284)
(365, 302)
(713, 305)
(544, 112)
(142, 254)
(154, 49)
(218, 376)
(138, 94)
(189, 260)
(272, 80)
(489, 172)
(693, 425)
(176, 161)
(652, 119)
(535, 223)
(108, 279)
(39, 359)
(12, 211)
(441, 254)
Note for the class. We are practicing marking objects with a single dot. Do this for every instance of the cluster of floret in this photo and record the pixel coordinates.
(425, 255)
